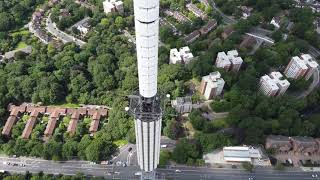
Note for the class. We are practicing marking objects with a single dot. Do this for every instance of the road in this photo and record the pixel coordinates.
(118, 172)
(312, 86)
(226, 19)
(64, 37)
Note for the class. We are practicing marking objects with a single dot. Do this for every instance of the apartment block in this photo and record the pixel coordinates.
(196, 11)
(182, 104)
(112, 6)
(301, 67)
(230, 61)
(184, 55)
(273, 84)
(212, 85)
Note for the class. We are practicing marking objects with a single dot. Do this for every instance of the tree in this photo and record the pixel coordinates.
(173, 129)
(6, 21)
(164, 158)
(186, 149)
(247, 166)
(69, 149)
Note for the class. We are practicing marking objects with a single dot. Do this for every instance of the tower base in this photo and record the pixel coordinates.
(148, 175)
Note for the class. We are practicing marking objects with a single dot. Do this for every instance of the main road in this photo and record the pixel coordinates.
(118, 172)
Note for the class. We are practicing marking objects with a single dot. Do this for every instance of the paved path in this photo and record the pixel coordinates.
(64, 37)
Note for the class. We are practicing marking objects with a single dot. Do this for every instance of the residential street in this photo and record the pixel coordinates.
(64, 37)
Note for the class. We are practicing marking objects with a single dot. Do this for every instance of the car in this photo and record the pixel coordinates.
(22, 165)
(139, 173)
(178, 171)
(5, 163)
(163, 145)
(124, 165)
(251, 178)
(130, 149)
(314, 175)
(117, 172)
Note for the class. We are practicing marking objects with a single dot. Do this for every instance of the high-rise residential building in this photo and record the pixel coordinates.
(184, 55)
(145, 104)
(112, 6)
(212, 85)
(229, 61)
(301, 67)
(273, 84)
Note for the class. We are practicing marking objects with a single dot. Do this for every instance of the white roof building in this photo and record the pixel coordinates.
(303, 66)
(241, 154)
(273, 84)
(229, 61)
(112, 6)
(184, 55)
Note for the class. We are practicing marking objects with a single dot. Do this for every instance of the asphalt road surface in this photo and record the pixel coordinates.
(119, 172)
(64, 37)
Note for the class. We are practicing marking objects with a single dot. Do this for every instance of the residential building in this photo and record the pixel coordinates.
(247, 42)
(229, 61)
(208, 27)
(301, 67)
(182, 104)
(246, 11)
(177, 15)
(196, 11)
(190, 38)
(304, 145)
(227, 32)
(241, 154)
(184, 55)
(112, 6)
(212, 85)
(276, 22)
(273, 84)
(279, 143)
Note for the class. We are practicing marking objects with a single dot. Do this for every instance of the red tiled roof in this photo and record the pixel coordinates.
(50, 126)
(9, 124)
(94, 126)
(29, 126)
(72, 126)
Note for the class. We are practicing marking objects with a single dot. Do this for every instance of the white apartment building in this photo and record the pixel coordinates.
(230, 61)
(273, 84)
(184, 55)
(303, 66)
(212, 85)
(112, 6)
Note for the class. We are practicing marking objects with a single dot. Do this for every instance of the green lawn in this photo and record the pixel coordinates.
(121, 142)
(21, 45)
(20, 32)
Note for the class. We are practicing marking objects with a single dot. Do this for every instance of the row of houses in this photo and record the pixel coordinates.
(300, 145)
(36, 29)
(202, 31)
(54, 114)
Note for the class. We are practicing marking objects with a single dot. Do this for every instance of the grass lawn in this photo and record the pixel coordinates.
(220, 123)
(190, 130)
(20, 32)
(121, 142)
(21, 45)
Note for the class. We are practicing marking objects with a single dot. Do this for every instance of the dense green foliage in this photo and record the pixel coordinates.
(41, 176)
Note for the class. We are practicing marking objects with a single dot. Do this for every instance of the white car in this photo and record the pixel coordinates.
(138, 173)
(314, 175)
(178, 171)
(5, 163)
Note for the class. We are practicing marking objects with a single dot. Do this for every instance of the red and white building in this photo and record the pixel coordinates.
(273, 84)
(301, 67)
(212, 85)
